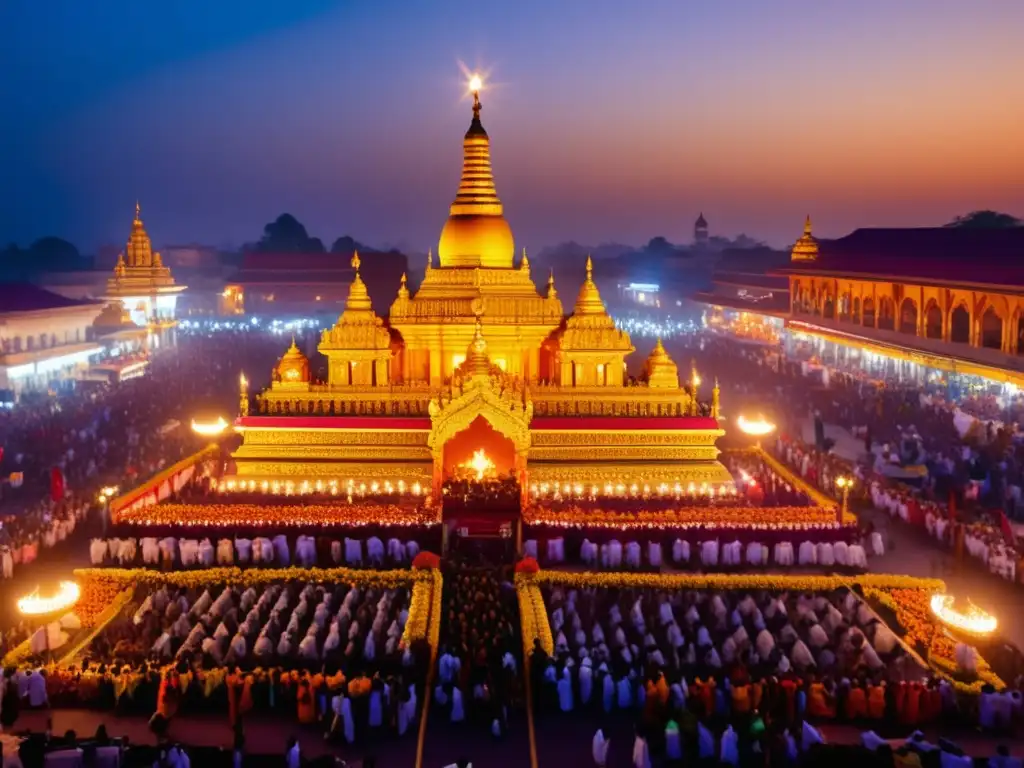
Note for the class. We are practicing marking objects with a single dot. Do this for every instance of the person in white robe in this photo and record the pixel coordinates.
(565, 691)
(347, 721)
(376, 713)
(407, 711)
(729, 752)
(585, 676)
(673, 746)
(705, 742)
(239, 646)
(625, 693)
(607, 688)
(599, 748)
(37, 690)
(458, 714)
(641, 754)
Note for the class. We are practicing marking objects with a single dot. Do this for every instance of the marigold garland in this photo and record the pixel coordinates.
(119, 578)
(416, 625)
(288, 516)
(533, 615)
(765, 518)
(767, 581)
(98, 624)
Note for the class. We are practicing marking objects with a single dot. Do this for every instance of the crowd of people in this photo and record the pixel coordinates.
(480, 650)
(281, 551)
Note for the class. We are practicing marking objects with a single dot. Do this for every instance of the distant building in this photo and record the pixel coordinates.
(308, 283)
(700, 231)
(142, 283)
(45, 339)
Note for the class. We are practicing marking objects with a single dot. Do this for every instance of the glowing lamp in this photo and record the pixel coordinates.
(209, 428)
(972, 619)
(37, 605)
(481, 465)
(758, 427)
(476, 83)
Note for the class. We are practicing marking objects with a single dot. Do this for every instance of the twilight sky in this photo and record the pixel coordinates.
(608, 120)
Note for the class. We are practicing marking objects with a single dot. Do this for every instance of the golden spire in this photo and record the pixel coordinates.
(662, 372)
(806, 248)
(715, 400)
(430, 259)
(358, 296)
(552, 293)
(139, 249)
(243, 395)
(524, 265)
(293, 367)
(476, 233)
(403, 291)
(477, 362)
(589, 302)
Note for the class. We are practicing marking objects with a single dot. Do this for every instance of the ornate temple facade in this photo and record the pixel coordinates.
(478, 357)
(141, 284)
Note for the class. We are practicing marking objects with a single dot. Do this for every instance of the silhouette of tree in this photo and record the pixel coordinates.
(286, 234)
(347, 244)
(53, 251)
(985, 220)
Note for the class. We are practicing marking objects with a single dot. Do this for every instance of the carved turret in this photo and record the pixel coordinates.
(243, 395)
(358, 346)
(662, 372)
(591, 350)
(293, 369)
(806, 248)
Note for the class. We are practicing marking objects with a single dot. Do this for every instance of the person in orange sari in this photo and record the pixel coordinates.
(306, 701)
(856, 702)
(169, 696)
(789, 688)
(819, 701)
(233, 684)
(876, 701)
(245, 701)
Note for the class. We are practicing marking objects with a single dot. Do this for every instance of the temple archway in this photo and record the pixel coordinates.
(869, 312)
(960, 325)
(460, 450)
(908, 317)
(933, 321)
(886, 314)
(991, 329)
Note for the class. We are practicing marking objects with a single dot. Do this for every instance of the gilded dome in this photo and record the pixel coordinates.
(293, 367)
(588, 301)
(476, 233)
(806, 248)
(662, 372)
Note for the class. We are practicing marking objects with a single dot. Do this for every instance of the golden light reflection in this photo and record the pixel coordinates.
(758, 427)
(481, 464)
(37, 605)
(476, 83)
(972, 619)
(209, 428)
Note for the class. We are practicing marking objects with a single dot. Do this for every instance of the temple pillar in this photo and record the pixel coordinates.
(436, 374)
(533, 364)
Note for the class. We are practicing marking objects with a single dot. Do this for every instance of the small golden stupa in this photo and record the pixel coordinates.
(806, 248)
(293, 367)
(662, 372)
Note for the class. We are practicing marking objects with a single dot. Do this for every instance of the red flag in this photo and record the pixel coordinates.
(56, 484)
(1008, 534)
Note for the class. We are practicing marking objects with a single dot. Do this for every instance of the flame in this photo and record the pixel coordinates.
(481, 464)
(757, 428)
(973, 619)
(34, 605)
(209, 428)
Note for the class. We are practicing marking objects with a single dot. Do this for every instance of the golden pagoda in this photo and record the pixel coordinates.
(475, 276)
(141, 282)
(662, 372)
(806, 248)
(476, 358)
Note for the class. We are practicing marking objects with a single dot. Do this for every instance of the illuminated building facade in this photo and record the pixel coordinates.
(949, 298)
(141, 282)
(45, 339)
(475, 358)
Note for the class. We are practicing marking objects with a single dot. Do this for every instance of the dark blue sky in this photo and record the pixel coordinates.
(608, 120)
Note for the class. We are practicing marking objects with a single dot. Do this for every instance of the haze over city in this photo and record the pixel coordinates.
(607, 122)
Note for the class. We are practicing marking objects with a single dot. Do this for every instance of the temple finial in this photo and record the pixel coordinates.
(430, 258)
(138, 211)
(807, 225)
(590, 268)
(355, 261)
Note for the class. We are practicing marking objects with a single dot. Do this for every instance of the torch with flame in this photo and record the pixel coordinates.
(480, 464)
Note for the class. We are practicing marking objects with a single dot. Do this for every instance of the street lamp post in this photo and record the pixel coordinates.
(844, 483)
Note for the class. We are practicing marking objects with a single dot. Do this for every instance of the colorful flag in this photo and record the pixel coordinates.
(56, 484)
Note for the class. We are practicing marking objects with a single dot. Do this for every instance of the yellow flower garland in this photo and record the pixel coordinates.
(251, 577)
(434, 625)
(533, 615)
(416, 624)
(285, 515)
(112, 611)
(725, 581)
(767, 518)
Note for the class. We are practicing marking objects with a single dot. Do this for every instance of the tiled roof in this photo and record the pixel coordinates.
(947, 254)
(26, 297)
